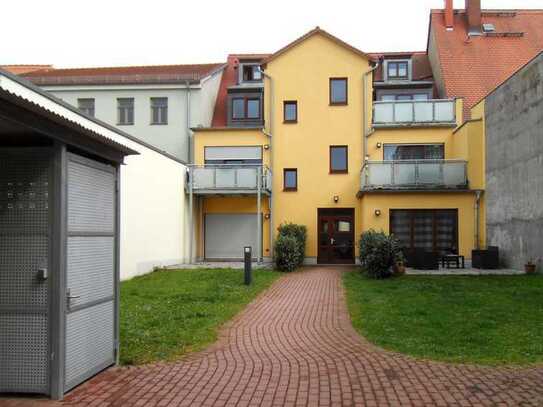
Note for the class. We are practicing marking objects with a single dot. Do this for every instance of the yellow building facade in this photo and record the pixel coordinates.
(326, 160)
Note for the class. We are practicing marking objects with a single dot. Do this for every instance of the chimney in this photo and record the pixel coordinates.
(473, 13)
(449, 15)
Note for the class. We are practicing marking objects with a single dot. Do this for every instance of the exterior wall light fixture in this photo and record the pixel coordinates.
(377, 212)
(266, 216)
(336, 198)
(379, 145)
(266, 146)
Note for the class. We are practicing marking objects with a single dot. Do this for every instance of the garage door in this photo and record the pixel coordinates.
(226, 235)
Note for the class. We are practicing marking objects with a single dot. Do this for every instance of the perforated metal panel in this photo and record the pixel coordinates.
(90, 279)
(89, 342)
(24, 207)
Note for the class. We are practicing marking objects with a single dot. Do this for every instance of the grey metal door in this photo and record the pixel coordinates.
(225, 235)
(91, 264)
(24, 245)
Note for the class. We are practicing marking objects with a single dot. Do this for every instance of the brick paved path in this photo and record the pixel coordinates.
(295, 346)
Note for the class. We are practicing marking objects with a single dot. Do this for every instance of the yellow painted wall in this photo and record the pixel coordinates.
(303, 74)
(464, 202)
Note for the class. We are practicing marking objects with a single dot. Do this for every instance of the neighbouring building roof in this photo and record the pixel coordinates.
(471, 67)
(229, 78)
(124, 74)
(22, 93)
(316, 30)
(22, 69)
(422, 70)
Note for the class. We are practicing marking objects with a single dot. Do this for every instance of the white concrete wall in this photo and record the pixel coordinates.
(173, 137)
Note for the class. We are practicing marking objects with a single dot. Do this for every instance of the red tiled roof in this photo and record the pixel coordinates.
(123, 74)
(229, 78)
(473, 67)
(22, 69)
(422, 70)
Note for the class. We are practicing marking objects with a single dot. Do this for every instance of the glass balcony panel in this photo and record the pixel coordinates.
(379, 174)
(424, 112)
(247, 177)
(384, 113)
(225, 178)
(403, 112)
(454, 174)
(429, 173)
(444, 112)
(404, 173)
(203, 178)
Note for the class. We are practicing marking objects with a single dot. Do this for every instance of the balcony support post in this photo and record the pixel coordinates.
(191, 214)
(258, 214)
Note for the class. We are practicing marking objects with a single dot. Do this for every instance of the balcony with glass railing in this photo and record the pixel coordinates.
(414, 175)
(414, 112)
(229, 179)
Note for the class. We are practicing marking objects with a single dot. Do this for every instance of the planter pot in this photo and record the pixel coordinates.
(529, 268)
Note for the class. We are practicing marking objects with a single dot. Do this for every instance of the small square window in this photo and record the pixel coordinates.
(86, 106)
(290, 111)
(290, 179)
(251, 73)
(338, 91)
(125, 111)
(338, 159)
(398, 70)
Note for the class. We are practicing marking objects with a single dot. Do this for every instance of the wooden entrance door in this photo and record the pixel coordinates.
(336, 236)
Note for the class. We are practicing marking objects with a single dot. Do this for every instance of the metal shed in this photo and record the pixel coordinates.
(59, 247)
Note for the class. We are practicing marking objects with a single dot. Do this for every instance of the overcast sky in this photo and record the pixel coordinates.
(129, 32)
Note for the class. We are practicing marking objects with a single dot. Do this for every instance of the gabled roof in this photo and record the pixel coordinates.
(422, 70)
(124, 75)
(315, 31)
(471, 67)
(24, 94)
(229, 78)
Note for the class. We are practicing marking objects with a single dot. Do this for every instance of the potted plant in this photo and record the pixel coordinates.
(530, 267)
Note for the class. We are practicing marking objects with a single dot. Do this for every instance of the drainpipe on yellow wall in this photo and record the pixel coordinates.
(270, 136)
(365, 132)
(477, 215)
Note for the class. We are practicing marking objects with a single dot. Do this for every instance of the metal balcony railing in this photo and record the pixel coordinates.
(229, 178)
(414, 174)
(439, 111)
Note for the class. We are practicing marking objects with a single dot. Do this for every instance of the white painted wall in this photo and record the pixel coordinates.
(172, 137)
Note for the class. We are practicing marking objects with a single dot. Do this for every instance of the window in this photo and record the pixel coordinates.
(290, 111)
(245, 108)
(338, 159)
(251, 73)
(86, 106)
(338, 91)
(159, 110)
(125, 111)
(414, 152)
(397, 70)
(429, 229)
(394, 97)
(290, 179)
(233, 155)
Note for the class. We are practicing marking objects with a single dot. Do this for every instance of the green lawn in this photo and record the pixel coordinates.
(167, 314)
(491, 320)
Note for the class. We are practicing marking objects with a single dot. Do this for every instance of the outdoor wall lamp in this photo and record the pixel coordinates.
(378, 145)
(266, 216)
(266, 146)
(377, 212)
(336, 198)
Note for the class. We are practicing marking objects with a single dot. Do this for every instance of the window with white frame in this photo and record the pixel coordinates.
(86, 105)
(159, 110)
(125, 111)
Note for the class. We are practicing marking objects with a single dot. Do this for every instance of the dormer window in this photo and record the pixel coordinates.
(397, 70)
(251, 73)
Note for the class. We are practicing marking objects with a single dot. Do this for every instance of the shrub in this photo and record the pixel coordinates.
(378, 253)
(290, 246)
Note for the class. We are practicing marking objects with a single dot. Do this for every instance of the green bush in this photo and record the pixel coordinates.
(378, 253)
(289, 247)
